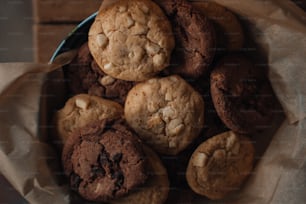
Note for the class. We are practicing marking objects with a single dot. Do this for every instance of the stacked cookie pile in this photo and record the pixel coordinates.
(141, 89)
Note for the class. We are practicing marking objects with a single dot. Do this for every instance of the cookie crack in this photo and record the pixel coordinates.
(138, 162)
(164, 129)
(248, 102)
(111, 166)
(225, 92)
(200, 53)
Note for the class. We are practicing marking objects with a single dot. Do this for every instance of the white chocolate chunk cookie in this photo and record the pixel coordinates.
(220, 165)
(167, 113)
(83, 109)
(131, 40)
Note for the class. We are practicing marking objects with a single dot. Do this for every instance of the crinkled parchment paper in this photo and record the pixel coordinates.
(278, 27)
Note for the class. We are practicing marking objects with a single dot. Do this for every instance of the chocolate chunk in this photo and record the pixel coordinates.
(120, 178)
(75, 181)
(103, 159)
(117, 157)
(98, 171)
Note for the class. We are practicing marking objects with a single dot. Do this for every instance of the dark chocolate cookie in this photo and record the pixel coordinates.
(194, 36)
(104, 161)
(85, 76)
(242, 94)
(229, 31)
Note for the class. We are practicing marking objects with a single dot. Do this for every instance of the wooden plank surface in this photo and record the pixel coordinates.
(59, 11)
(46, 39)
(56, 18)
(46, 11)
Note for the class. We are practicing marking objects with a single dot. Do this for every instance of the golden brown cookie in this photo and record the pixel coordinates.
(81, 110)
(220, 165)
(156, 188)
(230, 35)
(131, 40)
(167, 113)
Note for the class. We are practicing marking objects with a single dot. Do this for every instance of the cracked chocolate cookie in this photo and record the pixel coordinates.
(242, 94)
(229, 32)
(167, 113)
(220, 165)
(131, 40)
(194, 39)
(85, 76)
(81, 110)
(156, 188)
(104, 161)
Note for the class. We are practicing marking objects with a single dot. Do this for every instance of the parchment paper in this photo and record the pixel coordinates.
(278, 28)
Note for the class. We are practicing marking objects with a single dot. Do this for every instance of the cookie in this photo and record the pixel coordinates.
(104, 161)
(81, 110)
(131, 40)
(229, 32)
(194, 38)
(242, 95)
(156, 188)
(85, 76)
(167, 113)
(220, 165)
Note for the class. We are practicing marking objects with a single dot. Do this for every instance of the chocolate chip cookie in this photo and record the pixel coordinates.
(104, 161)
(85, 76)
(131, 40)
(242, 94)
(220, 165)
(194, 39)
(81, 110)
(167, 113)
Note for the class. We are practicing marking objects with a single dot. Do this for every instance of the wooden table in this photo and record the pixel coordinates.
(54, 19)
